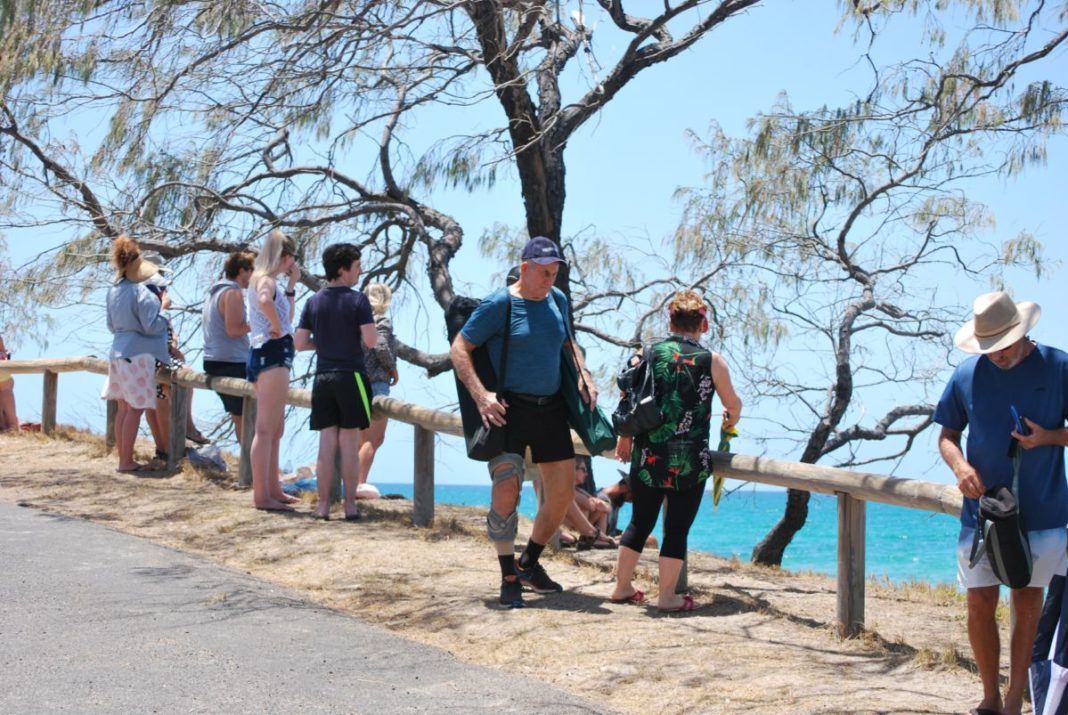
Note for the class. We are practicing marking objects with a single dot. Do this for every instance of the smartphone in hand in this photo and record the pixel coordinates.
(1018, 422)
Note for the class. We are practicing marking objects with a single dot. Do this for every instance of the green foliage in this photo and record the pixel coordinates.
(1024, 249)
(835, 228)
(464, 165)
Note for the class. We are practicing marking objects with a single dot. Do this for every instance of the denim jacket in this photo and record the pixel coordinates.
(134, 317)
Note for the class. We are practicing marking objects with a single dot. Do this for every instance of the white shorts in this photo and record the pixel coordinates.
(132, 380)
(1047, 555)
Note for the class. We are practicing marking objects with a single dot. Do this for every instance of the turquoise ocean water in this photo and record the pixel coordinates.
(902, 544)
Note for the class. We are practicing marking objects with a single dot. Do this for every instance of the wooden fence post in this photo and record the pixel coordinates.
(851, 522)
(248, 429)
(109, 430)
(48, 404)
(683, 584)
(179, 398)
(423, 478)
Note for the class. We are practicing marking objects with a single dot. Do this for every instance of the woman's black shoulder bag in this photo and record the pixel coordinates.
(637, 412)
(1000, 533)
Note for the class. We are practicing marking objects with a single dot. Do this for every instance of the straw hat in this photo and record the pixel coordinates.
(139, 270)
(156, 259)
(998, 323)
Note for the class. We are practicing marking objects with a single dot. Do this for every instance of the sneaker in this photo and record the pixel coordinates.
(536, 579)
(511, 593)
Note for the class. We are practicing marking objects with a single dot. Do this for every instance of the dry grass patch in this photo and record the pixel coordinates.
(765, 641)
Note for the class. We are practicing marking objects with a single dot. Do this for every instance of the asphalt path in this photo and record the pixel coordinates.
(96, 621)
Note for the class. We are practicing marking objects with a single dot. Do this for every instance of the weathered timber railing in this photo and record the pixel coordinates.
(853, 489)
(425, 421)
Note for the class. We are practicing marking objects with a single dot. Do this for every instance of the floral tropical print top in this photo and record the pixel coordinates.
(676, 455)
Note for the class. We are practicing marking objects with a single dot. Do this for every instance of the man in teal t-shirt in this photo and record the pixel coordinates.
(1010, 371)
(528, 405)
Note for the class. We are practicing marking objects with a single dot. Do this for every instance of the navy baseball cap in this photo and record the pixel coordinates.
(541, 250)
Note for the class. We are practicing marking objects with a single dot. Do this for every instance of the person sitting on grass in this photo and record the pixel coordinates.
(333, 323)
(587, 514)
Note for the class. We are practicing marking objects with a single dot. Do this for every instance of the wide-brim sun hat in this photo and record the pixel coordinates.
(139, 270)
(998, 322)
(156, 259)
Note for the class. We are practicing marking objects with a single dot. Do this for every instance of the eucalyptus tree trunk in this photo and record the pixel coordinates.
(771, 548)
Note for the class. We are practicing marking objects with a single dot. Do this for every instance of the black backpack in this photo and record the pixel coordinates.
(457, 313)
(637, 412)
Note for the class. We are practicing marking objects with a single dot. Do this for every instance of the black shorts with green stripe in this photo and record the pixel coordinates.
(341, 399)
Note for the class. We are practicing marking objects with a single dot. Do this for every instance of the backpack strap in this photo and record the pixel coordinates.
(504, 347)
(1016, 459)
(978, 541)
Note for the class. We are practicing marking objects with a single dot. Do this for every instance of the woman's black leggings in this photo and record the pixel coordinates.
(679, 513)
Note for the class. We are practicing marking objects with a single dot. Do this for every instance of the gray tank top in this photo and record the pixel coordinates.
(218, 345)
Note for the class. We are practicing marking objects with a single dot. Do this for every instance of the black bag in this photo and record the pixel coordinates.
(1001, 535)
(637, 412)
(483, 443)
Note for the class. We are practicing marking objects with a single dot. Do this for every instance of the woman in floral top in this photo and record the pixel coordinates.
(672, 462)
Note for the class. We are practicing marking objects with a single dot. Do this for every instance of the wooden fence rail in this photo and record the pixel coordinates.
(853, 489)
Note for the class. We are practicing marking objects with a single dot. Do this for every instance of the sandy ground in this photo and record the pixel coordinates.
(764, 643)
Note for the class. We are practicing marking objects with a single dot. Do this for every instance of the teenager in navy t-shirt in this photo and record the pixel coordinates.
(337, 323)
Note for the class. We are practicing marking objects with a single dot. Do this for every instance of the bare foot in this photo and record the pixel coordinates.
(283, 497)
(131, 467)
(323, 511)
(273, 505)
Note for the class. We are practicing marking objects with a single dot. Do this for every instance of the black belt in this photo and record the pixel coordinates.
(539, 400)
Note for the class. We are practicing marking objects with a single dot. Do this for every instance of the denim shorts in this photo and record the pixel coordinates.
(379, 389)
(278, 352)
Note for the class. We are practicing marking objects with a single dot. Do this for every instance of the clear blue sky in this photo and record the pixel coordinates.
(623, 169)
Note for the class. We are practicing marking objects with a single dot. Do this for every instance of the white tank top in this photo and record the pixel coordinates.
(261, 327)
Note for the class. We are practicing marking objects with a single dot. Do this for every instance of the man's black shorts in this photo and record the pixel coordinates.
(215, 368)
(341, 399)
(542, 427)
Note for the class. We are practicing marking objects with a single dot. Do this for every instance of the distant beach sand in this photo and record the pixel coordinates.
(764, 643)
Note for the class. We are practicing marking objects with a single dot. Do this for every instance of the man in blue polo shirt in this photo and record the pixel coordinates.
(530, 407)
(1009, 370)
